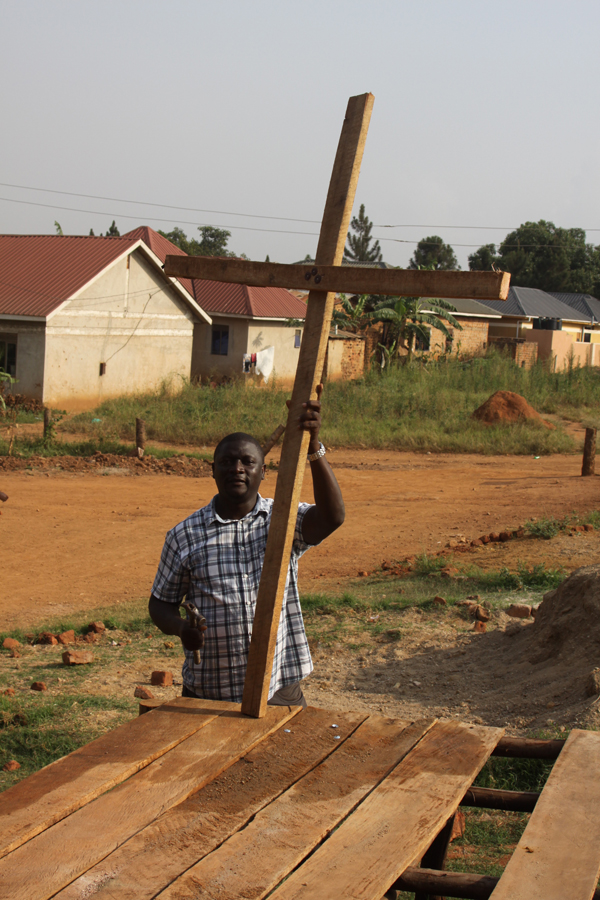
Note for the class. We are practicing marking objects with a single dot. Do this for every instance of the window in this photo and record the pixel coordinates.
(220, 340)
(422, 343)
(8, 355)
(587, 337)
(297, 338)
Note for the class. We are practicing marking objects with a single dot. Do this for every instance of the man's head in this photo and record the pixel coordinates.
(238, 468)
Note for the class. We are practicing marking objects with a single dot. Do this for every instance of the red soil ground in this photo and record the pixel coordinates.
(73, 540)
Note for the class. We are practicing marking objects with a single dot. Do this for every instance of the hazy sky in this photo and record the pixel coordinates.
(486, 114)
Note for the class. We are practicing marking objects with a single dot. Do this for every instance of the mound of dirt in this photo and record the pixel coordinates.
(506, 407)
(567, 624)
(108, 463)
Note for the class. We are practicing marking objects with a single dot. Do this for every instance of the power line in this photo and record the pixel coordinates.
(221, 212)
(218, 212)
(91, 212)
(95, 212)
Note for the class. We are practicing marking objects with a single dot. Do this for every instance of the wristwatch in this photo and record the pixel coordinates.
(313, 457)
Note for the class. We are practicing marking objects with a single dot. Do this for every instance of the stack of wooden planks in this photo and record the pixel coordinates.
(194, 800)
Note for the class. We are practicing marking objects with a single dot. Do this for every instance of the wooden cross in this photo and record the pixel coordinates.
(324, 278)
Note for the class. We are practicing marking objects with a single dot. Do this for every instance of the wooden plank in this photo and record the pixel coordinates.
(254, 860)
(158, 854)
(32, 805)
(398, 820)
(336, 218)
(558, 855)
(44, 865)
(363, 280)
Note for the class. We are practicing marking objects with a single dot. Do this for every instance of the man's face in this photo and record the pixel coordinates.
(238, 470)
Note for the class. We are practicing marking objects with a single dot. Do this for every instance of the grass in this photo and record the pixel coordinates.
(421, 407)
(25, 448)
(548, 527)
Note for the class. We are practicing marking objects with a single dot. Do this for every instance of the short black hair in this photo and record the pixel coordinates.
(234, 438)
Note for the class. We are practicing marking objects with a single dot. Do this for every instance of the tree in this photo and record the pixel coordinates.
(408, 318)
(213, 241)
(359, 249)
(351, 317)
(58, 228)
(113, 231)
(91, 234)
(541, 255)
(484, 259)
(433, 253)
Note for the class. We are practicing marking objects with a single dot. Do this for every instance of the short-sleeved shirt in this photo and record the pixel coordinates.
(217, 563)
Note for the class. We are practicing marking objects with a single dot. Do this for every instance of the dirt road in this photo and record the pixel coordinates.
(73, 541)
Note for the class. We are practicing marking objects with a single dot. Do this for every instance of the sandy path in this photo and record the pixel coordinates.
(82, 541)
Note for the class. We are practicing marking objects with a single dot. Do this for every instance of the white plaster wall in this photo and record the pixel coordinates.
(278, 335)
(204, 364)
(130, 319)
(31, 339)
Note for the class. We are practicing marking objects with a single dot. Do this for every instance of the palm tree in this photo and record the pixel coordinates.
(352, 318)
(408, 318)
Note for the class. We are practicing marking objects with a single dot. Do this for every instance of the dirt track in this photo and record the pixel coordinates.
(73, 541)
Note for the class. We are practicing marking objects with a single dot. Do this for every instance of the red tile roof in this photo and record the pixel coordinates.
(228, 299)
(241, 300)
(161, 247)
(39, 272)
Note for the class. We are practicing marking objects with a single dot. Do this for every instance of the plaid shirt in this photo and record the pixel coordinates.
(217, 563)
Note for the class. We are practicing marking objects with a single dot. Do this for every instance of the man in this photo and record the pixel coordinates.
(215, 558)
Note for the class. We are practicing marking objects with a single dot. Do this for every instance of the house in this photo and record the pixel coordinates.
(473, 336)
(87, 318)
(562, 332)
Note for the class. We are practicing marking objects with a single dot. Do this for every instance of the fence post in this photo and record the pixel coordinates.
(47, 421)
(588, 467)
(140, 437)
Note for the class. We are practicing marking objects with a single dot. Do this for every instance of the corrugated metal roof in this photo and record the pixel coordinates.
(161, 247)
(39, 272)
(241, 300)
(583, 303)
(467, 307)
(531, 302)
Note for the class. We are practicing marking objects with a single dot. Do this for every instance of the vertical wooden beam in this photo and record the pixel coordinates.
(330, 250)
(140, 435)
(588, 466)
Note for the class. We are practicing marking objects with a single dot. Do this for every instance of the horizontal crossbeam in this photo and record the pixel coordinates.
(344, 279)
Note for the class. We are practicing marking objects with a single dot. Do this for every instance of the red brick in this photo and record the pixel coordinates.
(67, 637)
(440, 601)
(588, 527)
(505, 536)
(519, 611)
(143, 693)
(479, 627)
(98, 627)
(11, 766)
(165, 679)
(47, 638)
(39, 686)
(9, 692)
(77, 657)
(10, 644)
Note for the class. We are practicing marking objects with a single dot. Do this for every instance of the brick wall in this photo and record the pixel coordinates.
(353, 359)
(523, 351)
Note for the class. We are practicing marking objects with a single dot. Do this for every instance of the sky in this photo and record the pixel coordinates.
(485, 116)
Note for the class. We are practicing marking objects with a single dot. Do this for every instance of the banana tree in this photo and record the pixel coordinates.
(409, 318)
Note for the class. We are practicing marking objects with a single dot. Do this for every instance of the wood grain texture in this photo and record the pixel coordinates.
(50, 861)
(558, 855)
(303, 277)
(59, 789)
(334, 228)
(157, 855)
(254, 860)
(398, 820)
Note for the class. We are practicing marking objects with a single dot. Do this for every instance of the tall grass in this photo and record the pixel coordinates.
(414, 407)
